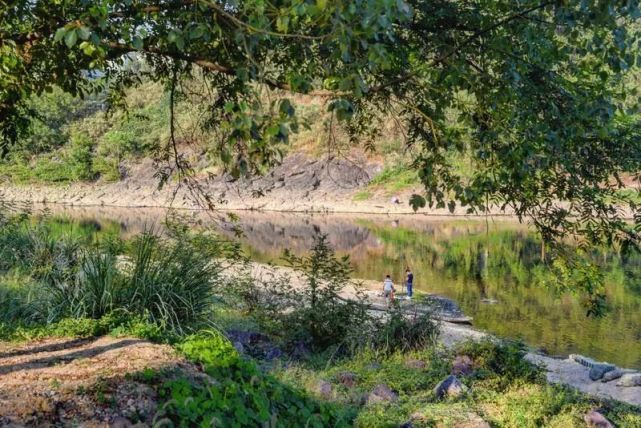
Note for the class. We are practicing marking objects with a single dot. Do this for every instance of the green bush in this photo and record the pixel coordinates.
(80, 157)
(167, 282)
(502, 363)
(239, 394)
(312, 313)
(404, 332)
(172, 281)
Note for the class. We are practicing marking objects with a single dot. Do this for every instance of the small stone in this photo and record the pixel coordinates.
(462, 365)
(382, 393)
(595, 419)
(599, 369)
(347, 378)
(415, 364)
(325, 389)
(630, 380)
(120, 422)
(450, 386)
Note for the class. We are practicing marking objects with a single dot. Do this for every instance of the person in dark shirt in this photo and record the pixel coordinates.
(409, 282)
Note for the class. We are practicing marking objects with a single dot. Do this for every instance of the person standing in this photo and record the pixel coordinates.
(409, 282)
(388, 290)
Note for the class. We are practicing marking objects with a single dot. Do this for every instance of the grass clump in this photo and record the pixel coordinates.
(169, 282)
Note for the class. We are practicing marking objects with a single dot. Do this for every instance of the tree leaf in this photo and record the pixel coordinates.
(71, 38)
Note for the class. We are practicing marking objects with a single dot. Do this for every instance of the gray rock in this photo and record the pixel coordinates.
(462, 365)
(630, 379)
(599, 369)
(595, 419)
(615, 374)
(325, 389)
(450, 387)
(381, 394)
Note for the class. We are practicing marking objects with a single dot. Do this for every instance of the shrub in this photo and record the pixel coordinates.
(167, 282)
(307, 307)
(80, 158)
(240, 396)
(171, 281)
(503, 362)
(403, 332)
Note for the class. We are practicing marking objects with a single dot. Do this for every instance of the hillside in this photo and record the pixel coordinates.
(82, 152)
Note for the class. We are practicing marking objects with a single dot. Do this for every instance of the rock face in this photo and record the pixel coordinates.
(382, 393)
(450, 387)
(595, 419)
(462, 365)
(598, 370)
(629, 380)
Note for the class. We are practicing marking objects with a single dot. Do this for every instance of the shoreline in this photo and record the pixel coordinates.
(559, 370)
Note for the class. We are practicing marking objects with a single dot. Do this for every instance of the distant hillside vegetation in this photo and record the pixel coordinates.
(74, 140)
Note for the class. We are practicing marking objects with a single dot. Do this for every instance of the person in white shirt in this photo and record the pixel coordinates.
(388, 290)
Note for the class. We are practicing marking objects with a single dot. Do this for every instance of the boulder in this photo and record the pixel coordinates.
(450, 387)
(347, 378)
(598, 370)
(462, 365)
(595, 419)
(630, 379)
(415, 364)
(382, 394)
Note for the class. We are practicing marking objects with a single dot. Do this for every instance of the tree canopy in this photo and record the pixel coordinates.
(541, 95)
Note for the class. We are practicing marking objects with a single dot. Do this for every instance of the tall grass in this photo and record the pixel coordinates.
(166, 281)
(173, 282)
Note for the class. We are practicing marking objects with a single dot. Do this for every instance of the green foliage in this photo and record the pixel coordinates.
(210, 347)
(172, 281)
(540, 96)
(165, 282)
(240, 396)
(306, 308)
(502, 363)
(395, 178)
(403, 332)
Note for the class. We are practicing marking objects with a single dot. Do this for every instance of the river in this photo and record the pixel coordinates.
(492, 268)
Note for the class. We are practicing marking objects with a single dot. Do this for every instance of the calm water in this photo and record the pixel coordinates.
(491, 269)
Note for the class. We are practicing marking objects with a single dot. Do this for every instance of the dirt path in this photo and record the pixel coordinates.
(89, 382)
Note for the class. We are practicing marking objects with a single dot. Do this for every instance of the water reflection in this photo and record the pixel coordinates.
(494, 274)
